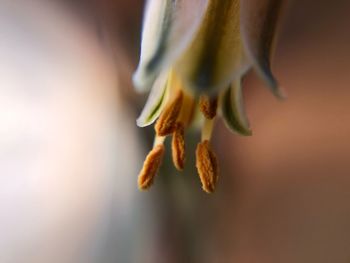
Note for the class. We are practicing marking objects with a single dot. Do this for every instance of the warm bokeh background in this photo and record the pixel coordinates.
(70, 150)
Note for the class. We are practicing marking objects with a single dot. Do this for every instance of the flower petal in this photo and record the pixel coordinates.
(167, 30)
(232, 110)
(259, 20)
(155, 102)
(214, 57)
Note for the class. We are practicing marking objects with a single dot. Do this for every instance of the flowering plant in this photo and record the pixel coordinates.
(194, 54)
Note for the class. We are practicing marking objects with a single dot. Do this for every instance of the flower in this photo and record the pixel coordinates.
(194, 54)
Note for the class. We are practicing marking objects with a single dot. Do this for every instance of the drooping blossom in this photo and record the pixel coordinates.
(194, 55)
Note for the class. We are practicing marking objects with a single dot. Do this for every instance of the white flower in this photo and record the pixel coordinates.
(194, 55)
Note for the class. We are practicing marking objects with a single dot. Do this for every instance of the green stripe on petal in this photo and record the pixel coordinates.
(168, 28)
(214, 57)
(232, 109)
(155, 103)
(259, 23)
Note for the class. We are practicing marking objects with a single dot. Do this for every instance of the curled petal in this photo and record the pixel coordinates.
(232, 109)
(259, 23)
(155, 103)
(214, 57)
(167, 30)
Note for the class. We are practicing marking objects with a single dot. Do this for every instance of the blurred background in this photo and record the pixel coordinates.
(70, 151)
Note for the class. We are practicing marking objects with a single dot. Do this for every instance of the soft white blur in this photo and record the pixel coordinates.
(67, 147)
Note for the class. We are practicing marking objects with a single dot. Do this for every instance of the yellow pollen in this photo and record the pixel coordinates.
(166, 123)
(178, 147)
(207, 166)
(151, 167)
(208, 106)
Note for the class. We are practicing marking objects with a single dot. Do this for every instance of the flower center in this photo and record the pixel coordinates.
(178, 115)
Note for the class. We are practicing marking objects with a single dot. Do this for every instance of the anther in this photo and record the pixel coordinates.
(151, 167)
(166, 123)
(208, 106)
(178, 147)
(207, 166)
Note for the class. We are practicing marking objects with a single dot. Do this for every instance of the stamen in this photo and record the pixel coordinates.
(208, 106)
(207, 166)
(207, 129)
(178, 147)
(166, 123)
(187, 109)
(151, 167)
(158, 140)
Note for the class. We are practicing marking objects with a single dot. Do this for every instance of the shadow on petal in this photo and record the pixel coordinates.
(167, 30)
(259, 24)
